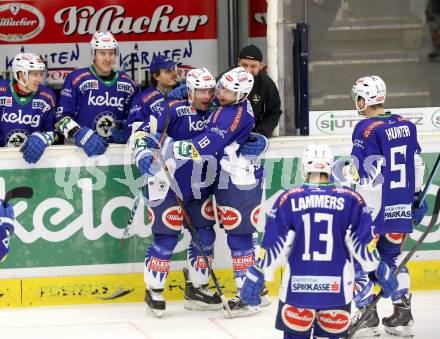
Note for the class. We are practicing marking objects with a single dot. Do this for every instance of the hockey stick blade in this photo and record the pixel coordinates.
(24, 192)
(402, 264)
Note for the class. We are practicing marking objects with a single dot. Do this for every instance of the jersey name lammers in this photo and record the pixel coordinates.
(318, 201)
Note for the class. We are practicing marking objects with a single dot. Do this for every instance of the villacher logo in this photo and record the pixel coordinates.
(20, 22)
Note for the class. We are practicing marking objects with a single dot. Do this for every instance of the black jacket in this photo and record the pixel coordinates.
(266, 103)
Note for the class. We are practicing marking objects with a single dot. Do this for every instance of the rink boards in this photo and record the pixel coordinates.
(66, 248)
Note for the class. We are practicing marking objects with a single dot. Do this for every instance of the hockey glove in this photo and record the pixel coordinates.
(179, 93)
(90, 142)
(120, 135)
(6, 228)
(252, 286)
(35, 145)
(386, 279)
(256, 145)
(418, 212)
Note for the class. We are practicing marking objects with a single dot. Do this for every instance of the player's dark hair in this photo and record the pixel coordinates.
(153, 79)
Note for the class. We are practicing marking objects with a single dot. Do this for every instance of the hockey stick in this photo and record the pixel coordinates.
(433, 221)
(195, 237)
(153, 131)
(19, 192)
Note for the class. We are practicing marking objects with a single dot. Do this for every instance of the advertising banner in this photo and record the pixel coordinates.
(427, 119)
(61, 31)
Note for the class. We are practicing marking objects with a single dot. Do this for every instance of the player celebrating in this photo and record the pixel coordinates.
(386, 155)
(319, 228)
(228, 128)
(163, 78)
(27, 108)
(185, 120)
(96, 99)
(6, 228)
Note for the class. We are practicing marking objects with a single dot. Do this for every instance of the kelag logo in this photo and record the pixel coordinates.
(436, 118)
(19, 22)
(337, 122)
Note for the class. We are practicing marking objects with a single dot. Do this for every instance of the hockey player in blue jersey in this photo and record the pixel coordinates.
(386, 155)
(95, 101)
(320, 229)
(27, 108)
(237, 187)
(163, 75)
(6, 228)
(181, 120)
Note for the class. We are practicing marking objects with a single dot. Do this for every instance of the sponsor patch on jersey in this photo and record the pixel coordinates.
(315, 284)
(395, 238)
(371, 127)
(22, 119)
(40, 104)
(242, 263)
(220, 132)
(230, 217)
(195, 156)
(155, 106)
(159, 265)
(333, 321)
(297, 319)
(184, 110)
(172, 218)
(200, 262)
(207, 210)
(105, 100)
(135, 108)
(6, 101)
(351, 192)
(124, 87)
(104, 122)
(402, 211)
(89, 84)
(66, 92)
(236, 119)
(3, 88)
(79, 77)
(151, 95)
(287, 194)
(49, 97)
(254, 215)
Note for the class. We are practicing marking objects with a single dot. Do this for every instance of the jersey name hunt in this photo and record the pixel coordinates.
(318, 201)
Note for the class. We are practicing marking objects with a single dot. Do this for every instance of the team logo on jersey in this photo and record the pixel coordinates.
(124, 87)
(297, 319)
(105, 100)
(6, 101)
(333, 321)
(16, 138)
(88, 85)
(173, 218)
(254, 215)
(230, 217)
(104, 123)
(402, 211)
(315, 284)
(394, 238)
(22, 119)
(40, 104)
(159, 265)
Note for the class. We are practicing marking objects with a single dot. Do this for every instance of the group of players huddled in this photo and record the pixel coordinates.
(338, 243)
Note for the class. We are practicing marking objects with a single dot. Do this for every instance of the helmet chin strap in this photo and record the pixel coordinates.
(360, 111)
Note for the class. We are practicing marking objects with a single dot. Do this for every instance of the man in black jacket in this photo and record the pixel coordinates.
(264, 97)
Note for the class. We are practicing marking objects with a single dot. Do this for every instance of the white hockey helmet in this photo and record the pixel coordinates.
(25, 62)
(237, 80)
(316, 158)
(103, 40)
(198, 78)
(372, 88)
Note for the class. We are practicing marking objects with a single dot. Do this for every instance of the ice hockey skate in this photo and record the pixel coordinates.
(265, 299)
(369, 326)
(401, 321)
(240, 309)
(155, 302)
(200, 298)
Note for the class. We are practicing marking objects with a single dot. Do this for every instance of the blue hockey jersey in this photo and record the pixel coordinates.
(95, 103)
(383, 151)
(327, 227)
(21, 116)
